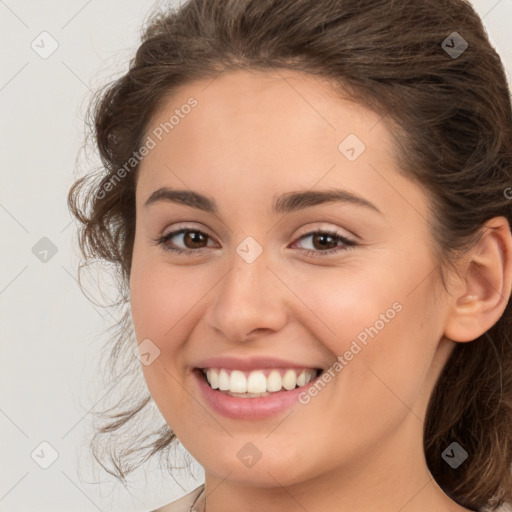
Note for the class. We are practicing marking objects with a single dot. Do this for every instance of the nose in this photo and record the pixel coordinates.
(249, 300)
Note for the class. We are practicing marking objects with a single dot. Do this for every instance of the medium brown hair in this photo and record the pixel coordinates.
(453, 128)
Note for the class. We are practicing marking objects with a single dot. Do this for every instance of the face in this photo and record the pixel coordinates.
(265, 278)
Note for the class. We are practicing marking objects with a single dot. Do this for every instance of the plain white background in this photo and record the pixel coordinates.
(50, 333)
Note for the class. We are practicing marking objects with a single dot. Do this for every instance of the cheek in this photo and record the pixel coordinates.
(166, 306)
(379, 322)
(371, 319)
(163, 300)
(343, 304)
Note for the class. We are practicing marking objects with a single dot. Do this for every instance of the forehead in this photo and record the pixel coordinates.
(271, 101)
(253, 132)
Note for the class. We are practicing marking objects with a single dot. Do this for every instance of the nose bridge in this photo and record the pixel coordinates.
(247, 297)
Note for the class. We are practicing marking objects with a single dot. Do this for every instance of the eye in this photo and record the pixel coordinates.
(326, 242)
(193, 239)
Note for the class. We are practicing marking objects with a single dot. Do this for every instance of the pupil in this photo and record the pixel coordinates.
(324, 236)
(195, 237)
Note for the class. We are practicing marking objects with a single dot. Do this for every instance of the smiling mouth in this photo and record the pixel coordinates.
(257, 383)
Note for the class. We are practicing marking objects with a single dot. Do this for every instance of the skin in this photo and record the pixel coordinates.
(357, 445)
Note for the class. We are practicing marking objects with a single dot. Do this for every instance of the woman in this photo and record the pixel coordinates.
(309, 204)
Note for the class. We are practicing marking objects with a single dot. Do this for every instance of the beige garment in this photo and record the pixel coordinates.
(184, 504)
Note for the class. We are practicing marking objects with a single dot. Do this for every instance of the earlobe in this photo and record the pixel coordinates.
(485, 284)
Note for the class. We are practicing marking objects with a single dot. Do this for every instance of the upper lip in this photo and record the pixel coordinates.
(250, 363)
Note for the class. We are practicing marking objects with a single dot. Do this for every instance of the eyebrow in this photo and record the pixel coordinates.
(285, 203)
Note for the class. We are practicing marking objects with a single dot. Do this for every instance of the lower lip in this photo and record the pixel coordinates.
(248, 408)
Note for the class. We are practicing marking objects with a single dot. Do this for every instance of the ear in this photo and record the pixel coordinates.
(484, 284)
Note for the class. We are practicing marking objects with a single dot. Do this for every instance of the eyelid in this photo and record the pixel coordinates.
(324, 226)
(190, 226)
(186, 225)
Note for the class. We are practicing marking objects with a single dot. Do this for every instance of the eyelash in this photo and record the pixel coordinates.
(348, 244)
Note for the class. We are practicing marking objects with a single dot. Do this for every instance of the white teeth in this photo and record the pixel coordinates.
(289, 380)
(274, 381)
(237, 382)
(223, 380)
(255, 383)
(213, 378)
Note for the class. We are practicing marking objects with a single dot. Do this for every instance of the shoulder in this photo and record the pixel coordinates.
(182, 504)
